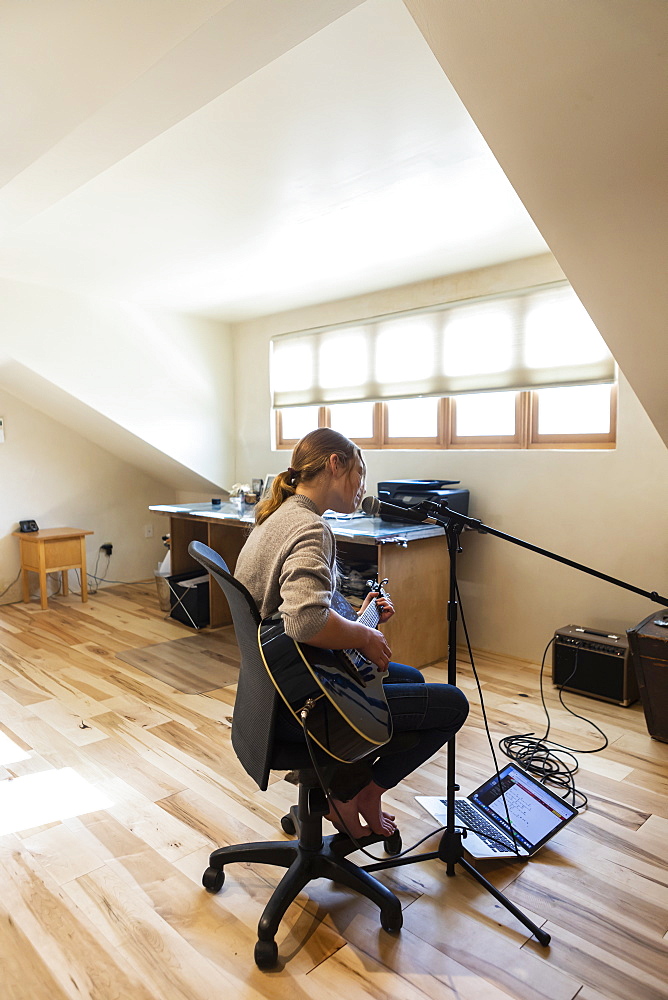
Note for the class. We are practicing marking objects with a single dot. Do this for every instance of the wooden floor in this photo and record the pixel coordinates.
(109, 904)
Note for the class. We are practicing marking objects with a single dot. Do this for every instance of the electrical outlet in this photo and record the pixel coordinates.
(148, 531)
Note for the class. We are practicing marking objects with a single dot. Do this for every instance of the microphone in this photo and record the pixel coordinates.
(375, 507)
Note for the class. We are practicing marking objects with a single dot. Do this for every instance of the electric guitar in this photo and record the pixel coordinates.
(349, 715)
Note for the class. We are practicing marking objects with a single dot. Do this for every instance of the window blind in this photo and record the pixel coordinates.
(527, 340)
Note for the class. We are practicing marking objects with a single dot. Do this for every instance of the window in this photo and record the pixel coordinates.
(413, 423)
(574, 416)
(487, 419)
(297, 421)
(526, 370)
(355, 420)
(569, 417)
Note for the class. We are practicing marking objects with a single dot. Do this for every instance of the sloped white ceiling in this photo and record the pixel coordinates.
(65, 408)
(240, 158)
(573, 101)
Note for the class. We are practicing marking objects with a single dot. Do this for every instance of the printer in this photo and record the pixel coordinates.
(410, 492)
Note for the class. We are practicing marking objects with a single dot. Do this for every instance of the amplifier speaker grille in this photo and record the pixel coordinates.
(593, 663)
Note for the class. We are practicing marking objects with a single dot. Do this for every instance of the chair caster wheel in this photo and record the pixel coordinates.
(288, 825)
(392, 922)
(393, 844)
(213, 879)
(266, 954)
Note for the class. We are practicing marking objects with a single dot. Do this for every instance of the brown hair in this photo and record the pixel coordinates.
(309, 459)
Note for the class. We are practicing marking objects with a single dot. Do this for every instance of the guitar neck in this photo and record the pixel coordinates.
(370, 617)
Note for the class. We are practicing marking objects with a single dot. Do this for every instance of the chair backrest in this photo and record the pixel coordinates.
(256, 701)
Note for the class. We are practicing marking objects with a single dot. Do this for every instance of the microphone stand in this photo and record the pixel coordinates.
(450, 849)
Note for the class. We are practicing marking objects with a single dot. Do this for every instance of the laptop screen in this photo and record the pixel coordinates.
(535, 812)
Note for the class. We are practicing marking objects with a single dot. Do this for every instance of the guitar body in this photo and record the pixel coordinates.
(350, 717)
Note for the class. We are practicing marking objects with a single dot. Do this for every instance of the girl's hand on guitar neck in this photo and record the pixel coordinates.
(383, 603)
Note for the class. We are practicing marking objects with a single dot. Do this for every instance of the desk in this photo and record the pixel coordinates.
(53, 550)
(414, 557)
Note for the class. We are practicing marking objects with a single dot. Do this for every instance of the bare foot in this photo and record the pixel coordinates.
(367, 802)
(348, 820)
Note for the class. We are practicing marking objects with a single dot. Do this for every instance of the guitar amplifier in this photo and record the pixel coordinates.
(649, 651)
(593, 663)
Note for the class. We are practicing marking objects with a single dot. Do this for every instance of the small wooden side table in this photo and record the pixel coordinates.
(53, 550)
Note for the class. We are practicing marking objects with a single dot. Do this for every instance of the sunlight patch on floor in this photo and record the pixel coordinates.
(11, 752)
(46, 797)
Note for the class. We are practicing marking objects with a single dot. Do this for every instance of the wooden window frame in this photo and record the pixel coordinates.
(568, 441)
(526, 435)
(283, 444)
(437, 442)
(505, 442)
(377, 420)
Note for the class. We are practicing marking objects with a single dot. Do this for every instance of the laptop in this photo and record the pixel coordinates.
(535, 812)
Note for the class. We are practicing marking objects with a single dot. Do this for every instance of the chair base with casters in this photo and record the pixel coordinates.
(309, 857)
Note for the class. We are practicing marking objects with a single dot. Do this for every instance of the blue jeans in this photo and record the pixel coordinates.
(430, 713)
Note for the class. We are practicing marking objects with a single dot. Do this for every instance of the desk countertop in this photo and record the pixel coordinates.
(362, 528)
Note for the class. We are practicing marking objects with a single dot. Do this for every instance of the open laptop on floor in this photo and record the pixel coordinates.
(536, 814)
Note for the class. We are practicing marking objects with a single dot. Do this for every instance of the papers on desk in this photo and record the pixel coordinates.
(334, 516)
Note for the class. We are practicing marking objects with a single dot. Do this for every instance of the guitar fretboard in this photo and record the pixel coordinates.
(370, 618)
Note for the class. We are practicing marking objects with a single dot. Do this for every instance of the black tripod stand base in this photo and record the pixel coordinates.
(450, 851)
(541, 936)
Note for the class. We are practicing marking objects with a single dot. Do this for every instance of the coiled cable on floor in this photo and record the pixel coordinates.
(552, 763)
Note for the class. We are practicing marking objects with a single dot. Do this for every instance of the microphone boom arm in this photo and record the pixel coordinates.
(440, 511)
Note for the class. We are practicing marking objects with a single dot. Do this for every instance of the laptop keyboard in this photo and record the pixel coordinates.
(488, 833)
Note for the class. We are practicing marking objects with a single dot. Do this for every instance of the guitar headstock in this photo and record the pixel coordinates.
(375, 585)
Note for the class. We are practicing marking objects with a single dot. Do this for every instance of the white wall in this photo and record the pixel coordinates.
(165, 378)
(605, 509)
(54, 475)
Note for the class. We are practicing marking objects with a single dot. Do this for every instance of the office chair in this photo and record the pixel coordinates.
(312, 855)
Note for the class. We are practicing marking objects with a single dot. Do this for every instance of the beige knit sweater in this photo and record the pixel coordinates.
(288, 564)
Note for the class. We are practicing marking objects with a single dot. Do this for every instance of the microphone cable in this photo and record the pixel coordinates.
(490, 742)
(553, 763)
